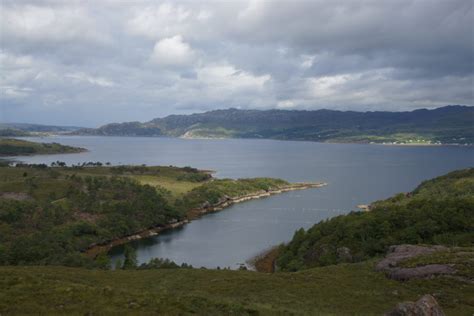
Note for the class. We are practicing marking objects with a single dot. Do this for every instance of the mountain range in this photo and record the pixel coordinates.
(452, 124)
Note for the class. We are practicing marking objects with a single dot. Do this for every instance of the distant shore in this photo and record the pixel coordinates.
(196, 213)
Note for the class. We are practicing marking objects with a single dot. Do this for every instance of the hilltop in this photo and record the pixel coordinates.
(446, 125)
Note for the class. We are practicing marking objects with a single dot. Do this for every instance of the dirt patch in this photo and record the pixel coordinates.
(18, 196)
(266, 261)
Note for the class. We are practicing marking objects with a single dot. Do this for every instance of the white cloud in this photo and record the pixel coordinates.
(286, 104)
(155, 22)
(172, 51)
(98, 81)
(226, 77)
(44, 23)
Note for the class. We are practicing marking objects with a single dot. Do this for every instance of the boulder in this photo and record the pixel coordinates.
(397, 254)
(425, 306)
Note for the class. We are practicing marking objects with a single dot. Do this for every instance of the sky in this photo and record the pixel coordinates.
(87, 63)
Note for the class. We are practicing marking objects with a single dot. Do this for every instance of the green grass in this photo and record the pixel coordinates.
(461, 257)
(347, 289)
(177, 188)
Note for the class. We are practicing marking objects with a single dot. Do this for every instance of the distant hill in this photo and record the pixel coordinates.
(449, 124)
(25, 129)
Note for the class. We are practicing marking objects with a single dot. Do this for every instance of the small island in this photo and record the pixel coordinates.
(19, 147)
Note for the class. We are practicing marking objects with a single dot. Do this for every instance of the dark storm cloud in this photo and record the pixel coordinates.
(91, 62)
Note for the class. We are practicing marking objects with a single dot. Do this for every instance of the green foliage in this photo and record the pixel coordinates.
(439, 211)
(158, 263)
(49, 217)
(130, 261)
(53, 214)
(16, 147)
(218, 190)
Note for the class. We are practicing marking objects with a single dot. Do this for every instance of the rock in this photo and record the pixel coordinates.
(425, 306)
(397, 254)
(206, 205)
(403, 274)
(344, 254)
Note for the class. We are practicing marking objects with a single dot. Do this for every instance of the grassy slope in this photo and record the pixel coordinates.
(345, 289)
(17, 147)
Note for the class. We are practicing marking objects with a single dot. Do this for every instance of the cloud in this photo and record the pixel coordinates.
(172, 51)
(117, 61)
(98, 81)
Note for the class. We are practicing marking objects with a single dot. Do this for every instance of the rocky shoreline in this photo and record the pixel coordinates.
(226, 201)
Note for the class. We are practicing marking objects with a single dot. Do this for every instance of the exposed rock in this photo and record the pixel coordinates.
(344, 254)
(397, 254)
(425, 306)
(403, 274)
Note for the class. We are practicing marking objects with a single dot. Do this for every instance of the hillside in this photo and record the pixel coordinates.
(450, 125)
(439, 211)
(17, 147)
(347, 289)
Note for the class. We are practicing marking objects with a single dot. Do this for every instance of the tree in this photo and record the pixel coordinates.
(103, 261)
(130, 261)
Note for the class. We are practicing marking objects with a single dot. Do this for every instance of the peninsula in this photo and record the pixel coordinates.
(19, 147)
(69, 215)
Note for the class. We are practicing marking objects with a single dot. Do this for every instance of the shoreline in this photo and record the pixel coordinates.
(256, 138)
(193, 214)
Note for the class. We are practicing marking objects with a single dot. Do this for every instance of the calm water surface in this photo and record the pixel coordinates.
(356, 174)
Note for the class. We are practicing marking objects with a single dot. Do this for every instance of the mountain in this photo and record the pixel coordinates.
(25, 129)
(450, 124)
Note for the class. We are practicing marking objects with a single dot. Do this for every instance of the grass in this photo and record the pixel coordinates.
(461, 257)
(346, 289)
(177, 188)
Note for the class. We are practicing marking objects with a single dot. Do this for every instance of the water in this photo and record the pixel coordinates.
(356, 174)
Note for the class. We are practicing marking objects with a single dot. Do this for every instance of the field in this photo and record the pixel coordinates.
(345, 289)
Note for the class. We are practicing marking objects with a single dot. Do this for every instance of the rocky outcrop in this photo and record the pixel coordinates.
(425, 306)
(399, 253)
